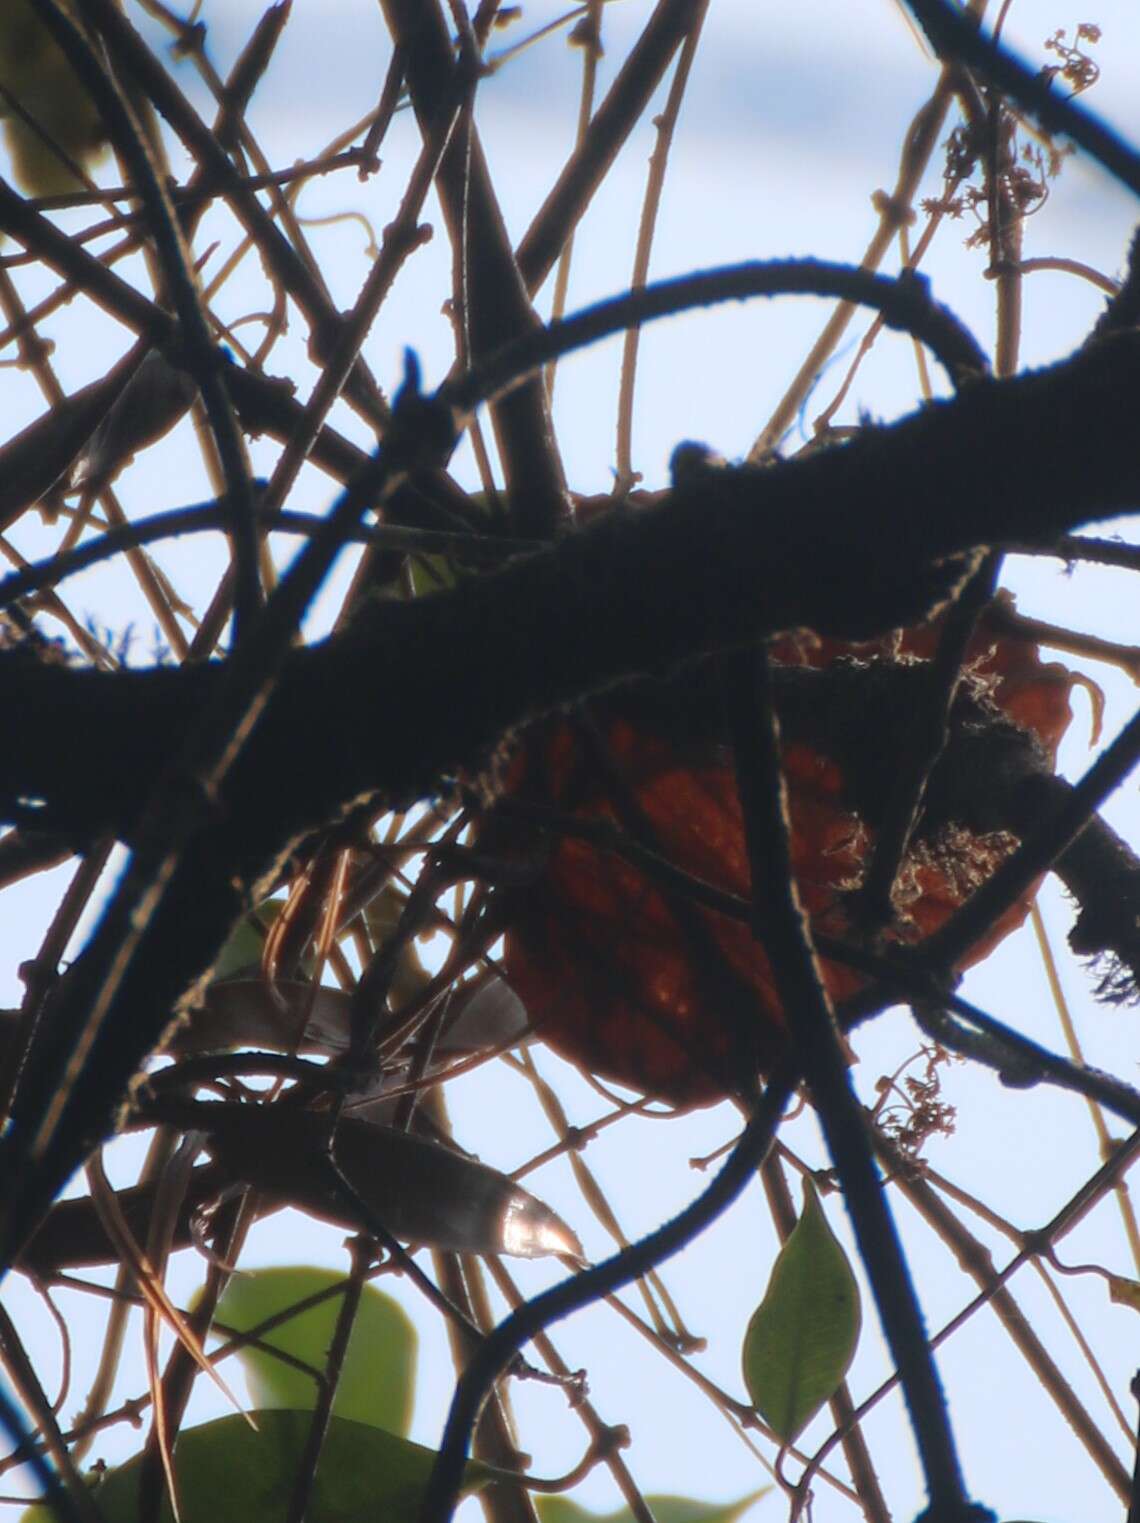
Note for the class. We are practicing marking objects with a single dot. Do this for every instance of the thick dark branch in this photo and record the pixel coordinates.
(490, 294)
(412, 692)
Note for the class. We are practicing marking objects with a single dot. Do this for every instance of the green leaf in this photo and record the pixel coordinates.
(377, 1380)
(247, 941)
(227, 1473)
(431, 573)
(802, 1336)
(35, 72)
(559, 1509)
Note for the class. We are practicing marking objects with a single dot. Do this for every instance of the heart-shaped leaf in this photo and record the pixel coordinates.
(227, 1473)
(377, 1378)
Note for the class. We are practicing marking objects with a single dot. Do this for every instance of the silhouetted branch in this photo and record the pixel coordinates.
(600, 1280)
(956, 38)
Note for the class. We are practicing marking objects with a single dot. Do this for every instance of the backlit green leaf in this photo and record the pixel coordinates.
(431, 573)
(247, 940)
(36, 74)
(377, 1379)
(227, 1473)
(802, 1336)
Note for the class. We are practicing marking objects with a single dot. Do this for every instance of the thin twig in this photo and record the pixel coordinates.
(588, 38)
(300, 1499)
(22, 1373)
(665, 126)
(200, 352)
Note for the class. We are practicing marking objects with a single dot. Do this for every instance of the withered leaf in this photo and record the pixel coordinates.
(420, 1191)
